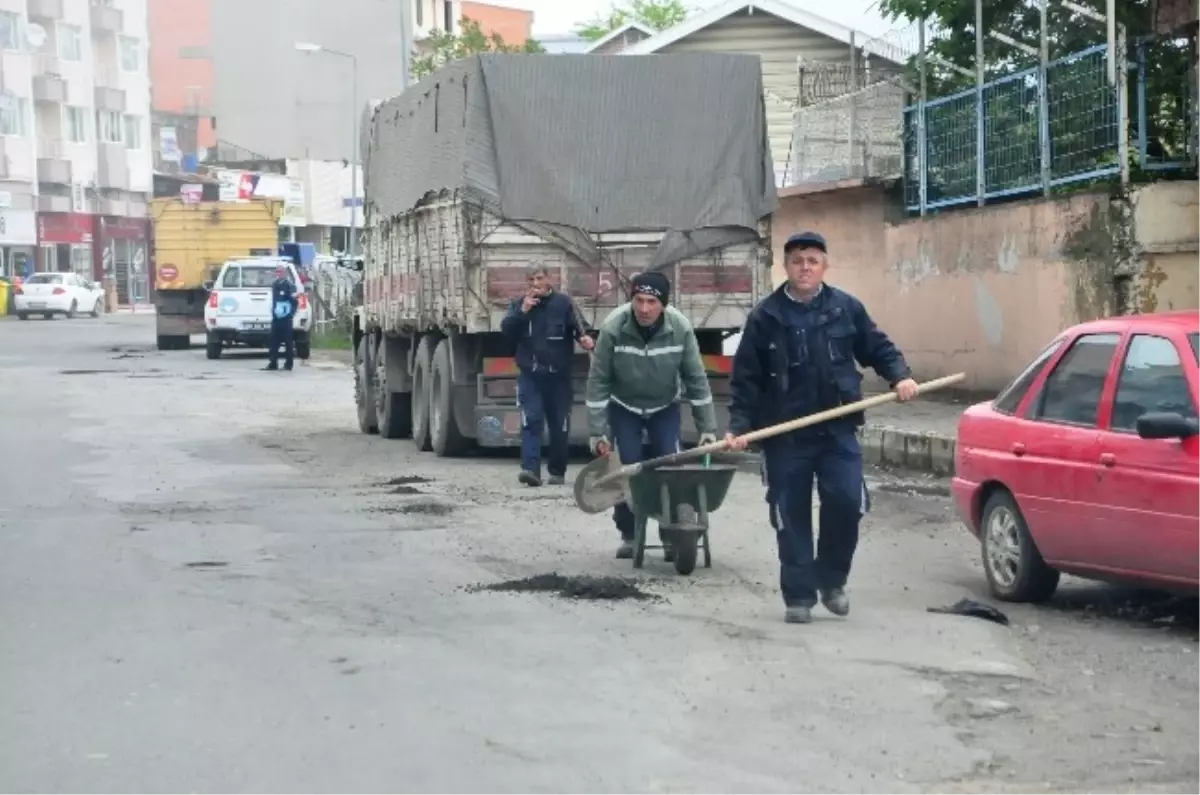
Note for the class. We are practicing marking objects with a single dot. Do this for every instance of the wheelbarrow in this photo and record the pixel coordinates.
(680, 499)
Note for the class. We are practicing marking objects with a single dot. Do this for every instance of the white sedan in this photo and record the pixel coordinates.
(50, 294)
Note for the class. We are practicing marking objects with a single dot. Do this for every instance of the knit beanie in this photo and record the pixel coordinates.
(653, 284)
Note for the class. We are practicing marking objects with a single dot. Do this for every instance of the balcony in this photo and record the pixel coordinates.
(113, 206)
(54, 170)
(48, 203)
(106, 19)
(49, 88)
(113, 167)
(112, 99)
(46, 9)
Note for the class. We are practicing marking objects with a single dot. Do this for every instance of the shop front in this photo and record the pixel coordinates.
(65, 243)
(18, 242)
(122, 255)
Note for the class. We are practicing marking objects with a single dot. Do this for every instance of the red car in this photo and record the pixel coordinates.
(1089, 462)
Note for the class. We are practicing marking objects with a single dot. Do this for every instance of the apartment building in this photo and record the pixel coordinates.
(181, 81)
(75, 154)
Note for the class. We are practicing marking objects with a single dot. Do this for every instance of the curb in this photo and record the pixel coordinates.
(920, 451)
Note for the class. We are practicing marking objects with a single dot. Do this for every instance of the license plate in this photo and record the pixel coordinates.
(37, 304)
(256, 326)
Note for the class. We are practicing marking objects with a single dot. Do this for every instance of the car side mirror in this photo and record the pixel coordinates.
(209, 286)
(1166, 425)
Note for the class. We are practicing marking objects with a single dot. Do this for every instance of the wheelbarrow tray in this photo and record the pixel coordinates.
(683, 484)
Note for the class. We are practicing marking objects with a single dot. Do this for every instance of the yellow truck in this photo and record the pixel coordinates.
(192, 240)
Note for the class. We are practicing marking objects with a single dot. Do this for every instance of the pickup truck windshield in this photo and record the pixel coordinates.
(248, 277)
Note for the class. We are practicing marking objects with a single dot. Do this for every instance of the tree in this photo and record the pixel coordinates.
(441, 48)
(655, 14)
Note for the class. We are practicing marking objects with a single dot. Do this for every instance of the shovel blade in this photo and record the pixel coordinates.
(593, 498)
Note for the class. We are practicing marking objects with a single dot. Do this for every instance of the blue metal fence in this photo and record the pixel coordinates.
(1055, 128)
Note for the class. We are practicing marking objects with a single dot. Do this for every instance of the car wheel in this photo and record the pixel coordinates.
(1012, 563)
(73, 310)
(96, 308)
(446, 438)
(22, 316)
(364, 389)
(303, 347)
(213, 348)
(47, 315)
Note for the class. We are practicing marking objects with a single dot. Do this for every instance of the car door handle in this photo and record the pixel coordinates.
(1018, 449)
(1108, 459)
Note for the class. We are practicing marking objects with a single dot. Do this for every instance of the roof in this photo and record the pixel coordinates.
(1185, 320)
(621, 31)
(778, 8)
(564, 43)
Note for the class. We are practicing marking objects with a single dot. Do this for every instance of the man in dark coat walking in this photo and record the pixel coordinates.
(797, 357)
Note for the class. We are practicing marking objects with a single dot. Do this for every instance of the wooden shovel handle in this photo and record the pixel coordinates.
(776, 430)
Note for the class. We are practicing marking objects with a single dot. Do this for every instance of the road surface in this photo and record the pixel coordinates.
(210, 581)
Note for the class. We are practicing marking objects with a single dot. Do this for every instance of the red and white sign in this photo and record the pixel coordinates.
(168, 273)
(191, 194)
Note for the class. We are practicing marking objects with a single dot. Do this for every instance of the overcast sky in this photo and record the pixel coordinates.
(559, 16)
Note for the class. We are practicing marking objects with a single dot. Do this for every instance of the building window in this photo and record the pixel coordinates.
(70, 43)
(10, 30)
(131, 54)
(419, 11)
(133, 132)
(110, 127)
(75, 124)
(13, 115)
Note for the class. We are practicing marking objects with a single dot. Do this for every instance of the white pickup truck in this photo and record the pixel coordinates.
(238, 311)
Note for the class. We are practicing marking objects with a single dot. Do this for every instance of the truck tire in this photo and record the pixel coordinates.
(447, 440)
(212, 348)
(393, 410)
(422, 377)
(303, 346)
(364, 392)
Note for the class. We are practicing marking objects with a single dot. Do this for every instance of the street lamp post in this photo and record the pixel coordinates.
(302, 46)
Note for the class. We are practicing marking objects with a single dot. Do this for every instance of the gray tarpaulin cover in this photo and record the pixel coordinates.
(570, 144)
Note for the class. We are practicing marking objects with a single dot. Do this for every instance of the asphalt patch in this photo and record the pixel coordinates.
(406, 490)
(600, 589)
(405, 480)
(88, 372)
(206, 564)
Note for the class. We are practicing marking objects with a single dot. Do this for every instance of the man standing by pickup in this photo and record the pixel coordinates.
(543, 327)
(797, 357)
(283, 309)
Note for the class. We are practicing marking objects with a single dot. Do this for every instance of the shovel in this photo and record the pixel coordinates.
(601, 485)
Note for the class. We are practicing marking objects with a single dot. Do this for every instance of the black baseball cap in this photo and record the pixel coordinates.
(805, 240)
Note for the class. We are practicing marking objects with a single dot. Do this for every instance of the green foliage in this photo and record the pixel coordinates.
(954, 21)
(442, 47)
(654, 14)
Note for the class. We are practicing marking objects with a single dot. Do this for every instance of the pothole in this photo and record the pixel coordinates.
(420, 508)
(409, 490)
(405, 480)
(88, 372)
(581, 587)
(206, 564)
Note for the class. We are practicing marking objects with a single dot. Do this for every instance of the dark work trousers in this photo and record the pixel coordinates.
(834, 459)
(545, 400)
(281, 335)
(663, 430)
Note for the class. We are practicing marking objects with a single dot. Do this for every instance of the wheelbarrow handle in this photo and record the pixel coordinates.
(775, 430)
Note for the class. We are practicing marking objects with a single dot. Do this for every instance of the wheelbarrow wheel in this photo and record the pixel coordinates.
(685, 553)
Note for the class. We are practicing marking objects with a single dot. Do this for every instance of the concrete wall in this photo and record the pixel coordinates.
(983, 290)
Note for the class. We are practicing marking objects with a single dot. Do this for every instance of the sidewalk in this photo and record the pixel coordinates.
(918, 436)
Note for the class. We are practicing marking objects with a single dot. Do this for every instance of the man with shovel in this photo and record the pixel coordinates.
(797, 357)
(646, 355)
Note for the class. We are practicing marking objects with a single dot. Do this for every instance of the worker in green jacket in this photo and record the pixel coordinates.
(645, 358)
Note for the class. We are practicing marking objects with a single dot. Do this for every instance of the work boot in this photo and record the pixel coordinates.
(287, 366)
(557, 480)
(798, 614)
(625, 551)
(668, 553)
(272, 366)
(835, 601)
(528, 478)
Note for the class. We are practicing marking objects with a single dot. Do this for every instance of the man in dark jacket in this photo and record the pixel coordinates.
(283, 310)
(544, 328)
(797, 357)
